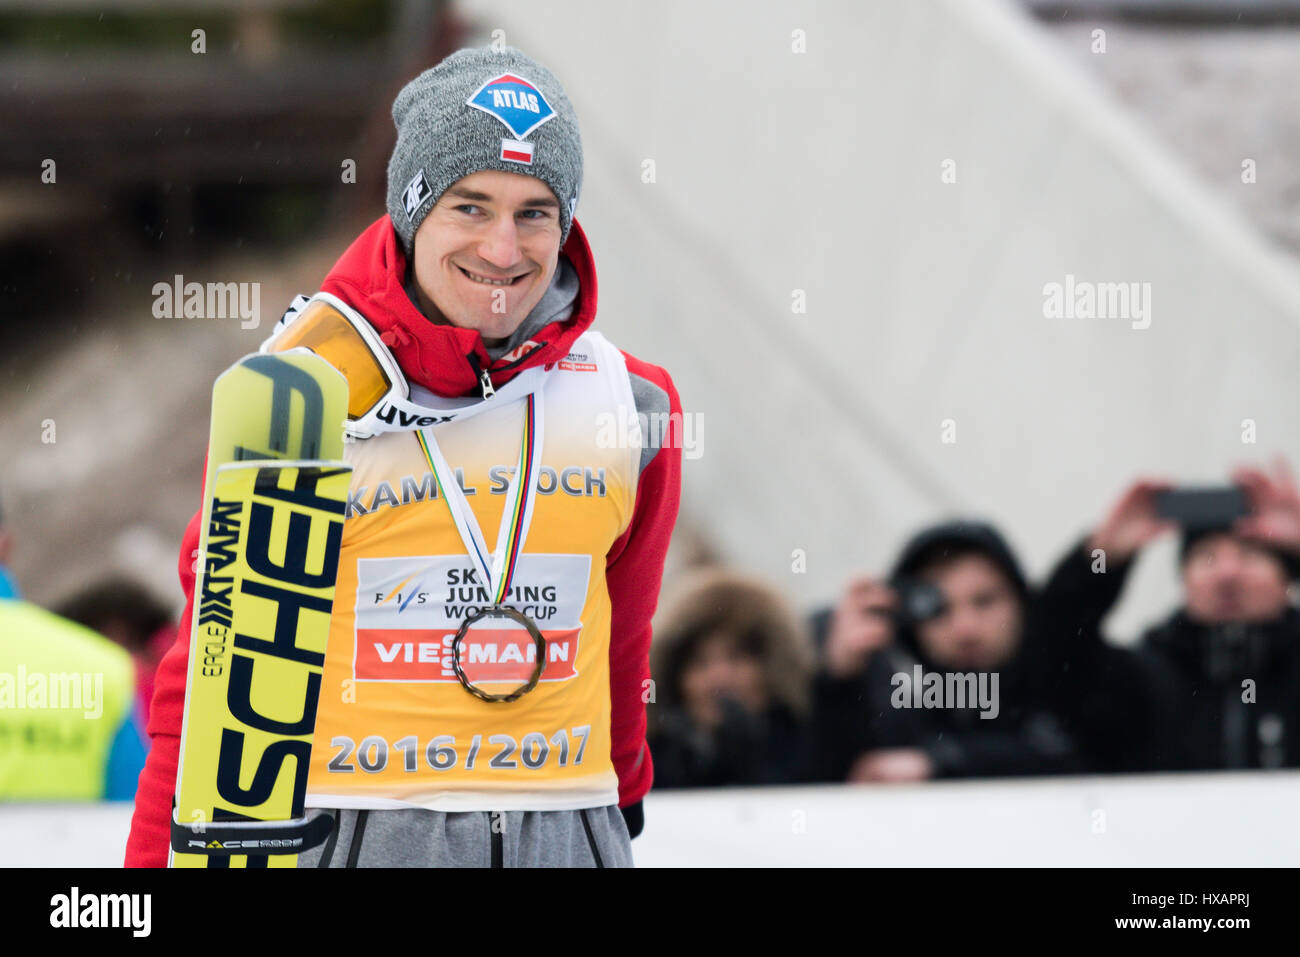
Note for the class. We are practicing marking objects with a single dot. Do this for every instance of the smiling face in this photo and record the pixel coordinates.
(486, 252)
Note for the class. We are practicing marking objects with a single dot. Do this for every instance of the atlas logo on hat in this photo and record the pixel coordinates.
(520, 106)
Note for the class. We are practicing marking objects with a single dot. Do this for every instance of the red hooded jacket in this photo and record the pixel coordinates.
(369, 277)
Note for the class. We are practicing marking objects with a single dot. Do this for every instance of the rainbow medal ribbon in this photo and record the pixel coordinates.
(496, 569)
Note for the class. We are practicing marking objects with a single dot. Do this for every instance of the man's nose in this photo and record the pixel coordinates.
(1229, 571)
(500, 246)
(965, 621)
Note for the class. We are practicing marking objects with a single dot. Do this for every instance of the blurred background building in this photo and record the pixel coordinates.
(857, 205)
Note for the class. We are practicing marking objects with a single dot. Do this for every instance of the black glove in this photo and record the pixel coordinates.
(634, 817)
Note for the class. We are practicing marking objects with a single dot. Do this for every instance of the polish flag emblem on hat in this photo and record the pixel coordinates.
(517, 151)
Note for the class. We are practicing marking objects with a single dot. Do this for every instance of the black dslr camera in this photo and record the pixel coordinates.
(918, 601)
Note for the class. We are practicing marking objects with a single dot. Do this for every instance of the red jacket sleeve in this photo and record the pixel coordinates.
(150, 826)
(634, 572)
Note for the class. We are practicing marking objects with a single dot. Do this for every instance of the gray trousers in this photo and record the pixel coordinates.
(413, 837)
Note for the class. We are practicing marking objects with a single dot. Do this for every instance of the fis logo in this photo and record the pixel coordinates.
(400, 597)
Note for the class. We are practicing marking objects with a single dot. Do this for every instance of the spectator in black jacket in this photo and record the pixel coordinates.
(731, 664)
(976, 624)
(1217, 683)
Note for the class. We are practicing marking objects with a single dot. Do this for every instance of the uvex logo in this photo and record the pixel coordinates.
(409, 420)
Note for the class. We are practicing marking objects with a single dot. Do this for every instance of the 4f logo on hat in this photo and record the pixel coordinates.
(520, 106)
(416, 192)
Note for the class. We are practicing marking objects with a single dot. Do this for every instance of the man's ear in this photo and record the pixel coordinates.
(6, 546)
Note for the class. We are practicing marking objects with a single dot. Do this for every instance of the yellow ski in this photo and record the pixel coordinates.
(274, 500)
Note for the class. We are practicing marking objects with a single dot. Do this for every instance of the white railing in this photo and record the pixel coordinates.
(1212, 820)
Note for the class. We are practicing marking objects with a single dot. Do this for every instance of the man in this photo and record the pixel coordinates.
(479, 281)
(68, 731)
(957, 604)
(1215, 685)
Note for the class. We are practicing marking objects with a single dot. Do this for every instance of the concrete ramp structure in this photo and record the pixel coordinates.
(837, 225)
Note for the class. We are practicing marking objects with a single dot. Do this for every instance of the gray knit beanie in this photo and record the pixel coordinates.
(478, 109)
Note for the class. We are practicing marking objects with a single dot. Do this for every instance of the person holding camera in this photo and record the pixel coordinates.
(1217, 683)
(731, 666)
(929, 675)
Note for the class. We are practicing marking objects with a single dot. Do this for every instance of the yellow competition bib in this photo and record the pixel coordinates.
(396, 727)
